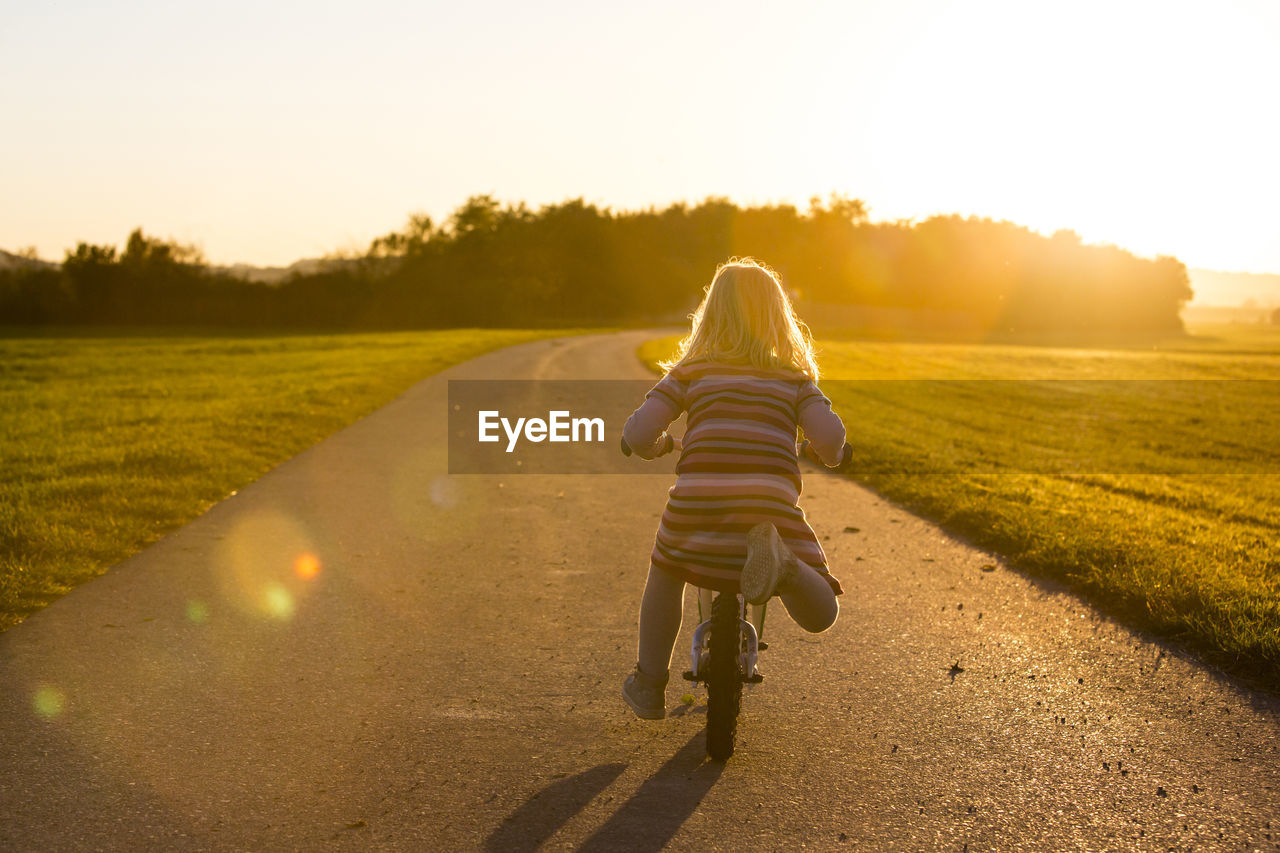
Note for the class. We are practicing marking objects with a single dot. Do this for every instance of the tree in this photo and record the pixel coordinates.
(851, 210)
(94, 278)
(497, 264)
(417, 233)
(480, 214)
(150, 254)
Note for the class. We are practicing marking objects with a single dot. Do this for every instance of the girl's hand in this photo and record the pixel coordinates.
(846, 456)
(807, 451)
(670, 444)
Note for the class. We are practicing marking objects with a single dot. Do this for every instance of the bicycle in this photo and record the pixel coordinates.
(727, 642)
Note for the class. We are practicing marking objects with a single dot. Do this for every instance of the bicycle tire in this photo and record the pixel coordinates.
(724, 680)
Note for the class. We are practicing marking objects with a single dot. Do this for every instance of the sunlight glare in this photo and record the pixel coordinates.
(1093, 117)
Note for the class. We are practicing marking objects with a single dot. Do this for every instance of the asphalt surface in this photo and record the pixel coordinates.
(444, 675)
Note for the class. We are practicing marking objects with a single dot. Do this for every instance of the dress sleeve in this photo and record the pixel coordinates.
(646, 430)
(821, 426)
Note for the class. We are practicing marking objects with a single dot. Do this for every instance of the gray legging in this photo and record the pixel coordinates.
(809, 600)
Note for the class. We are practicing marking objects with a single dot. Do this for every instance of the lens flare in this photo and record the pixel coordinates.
(307, 566)
(277, 601)
(444, 492)
(424, 500)
(49, 701)
(197, 611)
(265, 564)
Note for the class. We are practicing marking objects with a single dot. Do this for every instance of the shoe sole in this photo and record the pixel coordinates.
(644, 713)
(762, 569)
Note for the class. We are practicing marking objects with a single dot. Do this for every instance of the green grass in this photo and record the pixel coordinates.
(107, 442)
(1141, 530)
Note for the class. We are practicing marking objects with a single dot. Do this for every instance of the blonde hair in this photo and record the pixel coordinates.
(747, 317)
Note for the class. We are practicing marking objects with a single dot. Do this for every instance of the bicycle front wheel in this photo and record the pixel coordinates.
(724, 679)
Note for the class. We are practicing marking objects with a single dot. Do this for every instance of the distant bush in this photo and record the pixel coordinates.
(574, 263)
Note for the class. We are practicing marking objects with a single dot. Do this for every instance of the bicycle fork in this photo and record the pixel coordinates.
(750, 647)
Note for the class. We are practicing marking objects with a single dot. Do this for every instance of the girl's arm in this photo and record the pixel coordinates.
(822, 427)
(646, 430)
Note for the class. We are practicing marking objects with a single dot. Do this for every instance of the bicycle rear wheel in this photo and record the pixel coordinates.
(723, 678)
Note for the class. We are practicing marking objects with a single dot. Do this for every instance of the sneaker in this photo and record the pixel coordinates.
(646, 695)
(770, 564)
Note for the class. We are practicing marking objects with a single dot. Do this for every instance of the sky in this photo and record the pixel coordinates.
(267, 132)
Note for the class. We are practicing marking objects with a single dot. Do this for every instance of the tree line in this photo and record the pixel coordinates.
(574, 263)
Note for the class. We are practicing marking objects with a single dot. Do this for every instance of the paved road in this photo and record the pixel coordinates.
(448, 680)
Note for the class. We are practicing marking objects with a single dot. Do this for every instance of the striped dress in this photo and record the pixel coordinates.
(738, 467)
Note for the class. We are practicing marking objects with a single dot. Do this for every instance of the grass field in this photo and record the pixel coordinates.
(108, 442)
(1170, 523)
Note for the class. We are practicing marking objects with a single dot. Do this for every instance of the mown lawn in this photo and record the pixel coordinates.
(108, 442)
(1157, 499)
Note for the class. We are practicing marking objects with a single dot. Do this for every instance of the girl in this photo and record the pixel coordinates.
(746, 376)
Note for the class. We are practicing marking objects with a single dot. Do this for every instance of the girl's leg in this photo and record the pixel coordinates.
(809, 599)
(661, 610)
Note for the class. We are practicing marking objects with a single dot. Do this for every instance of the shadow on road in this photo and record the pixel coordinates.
(645, 822)
(663, 803)
(549, 809)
